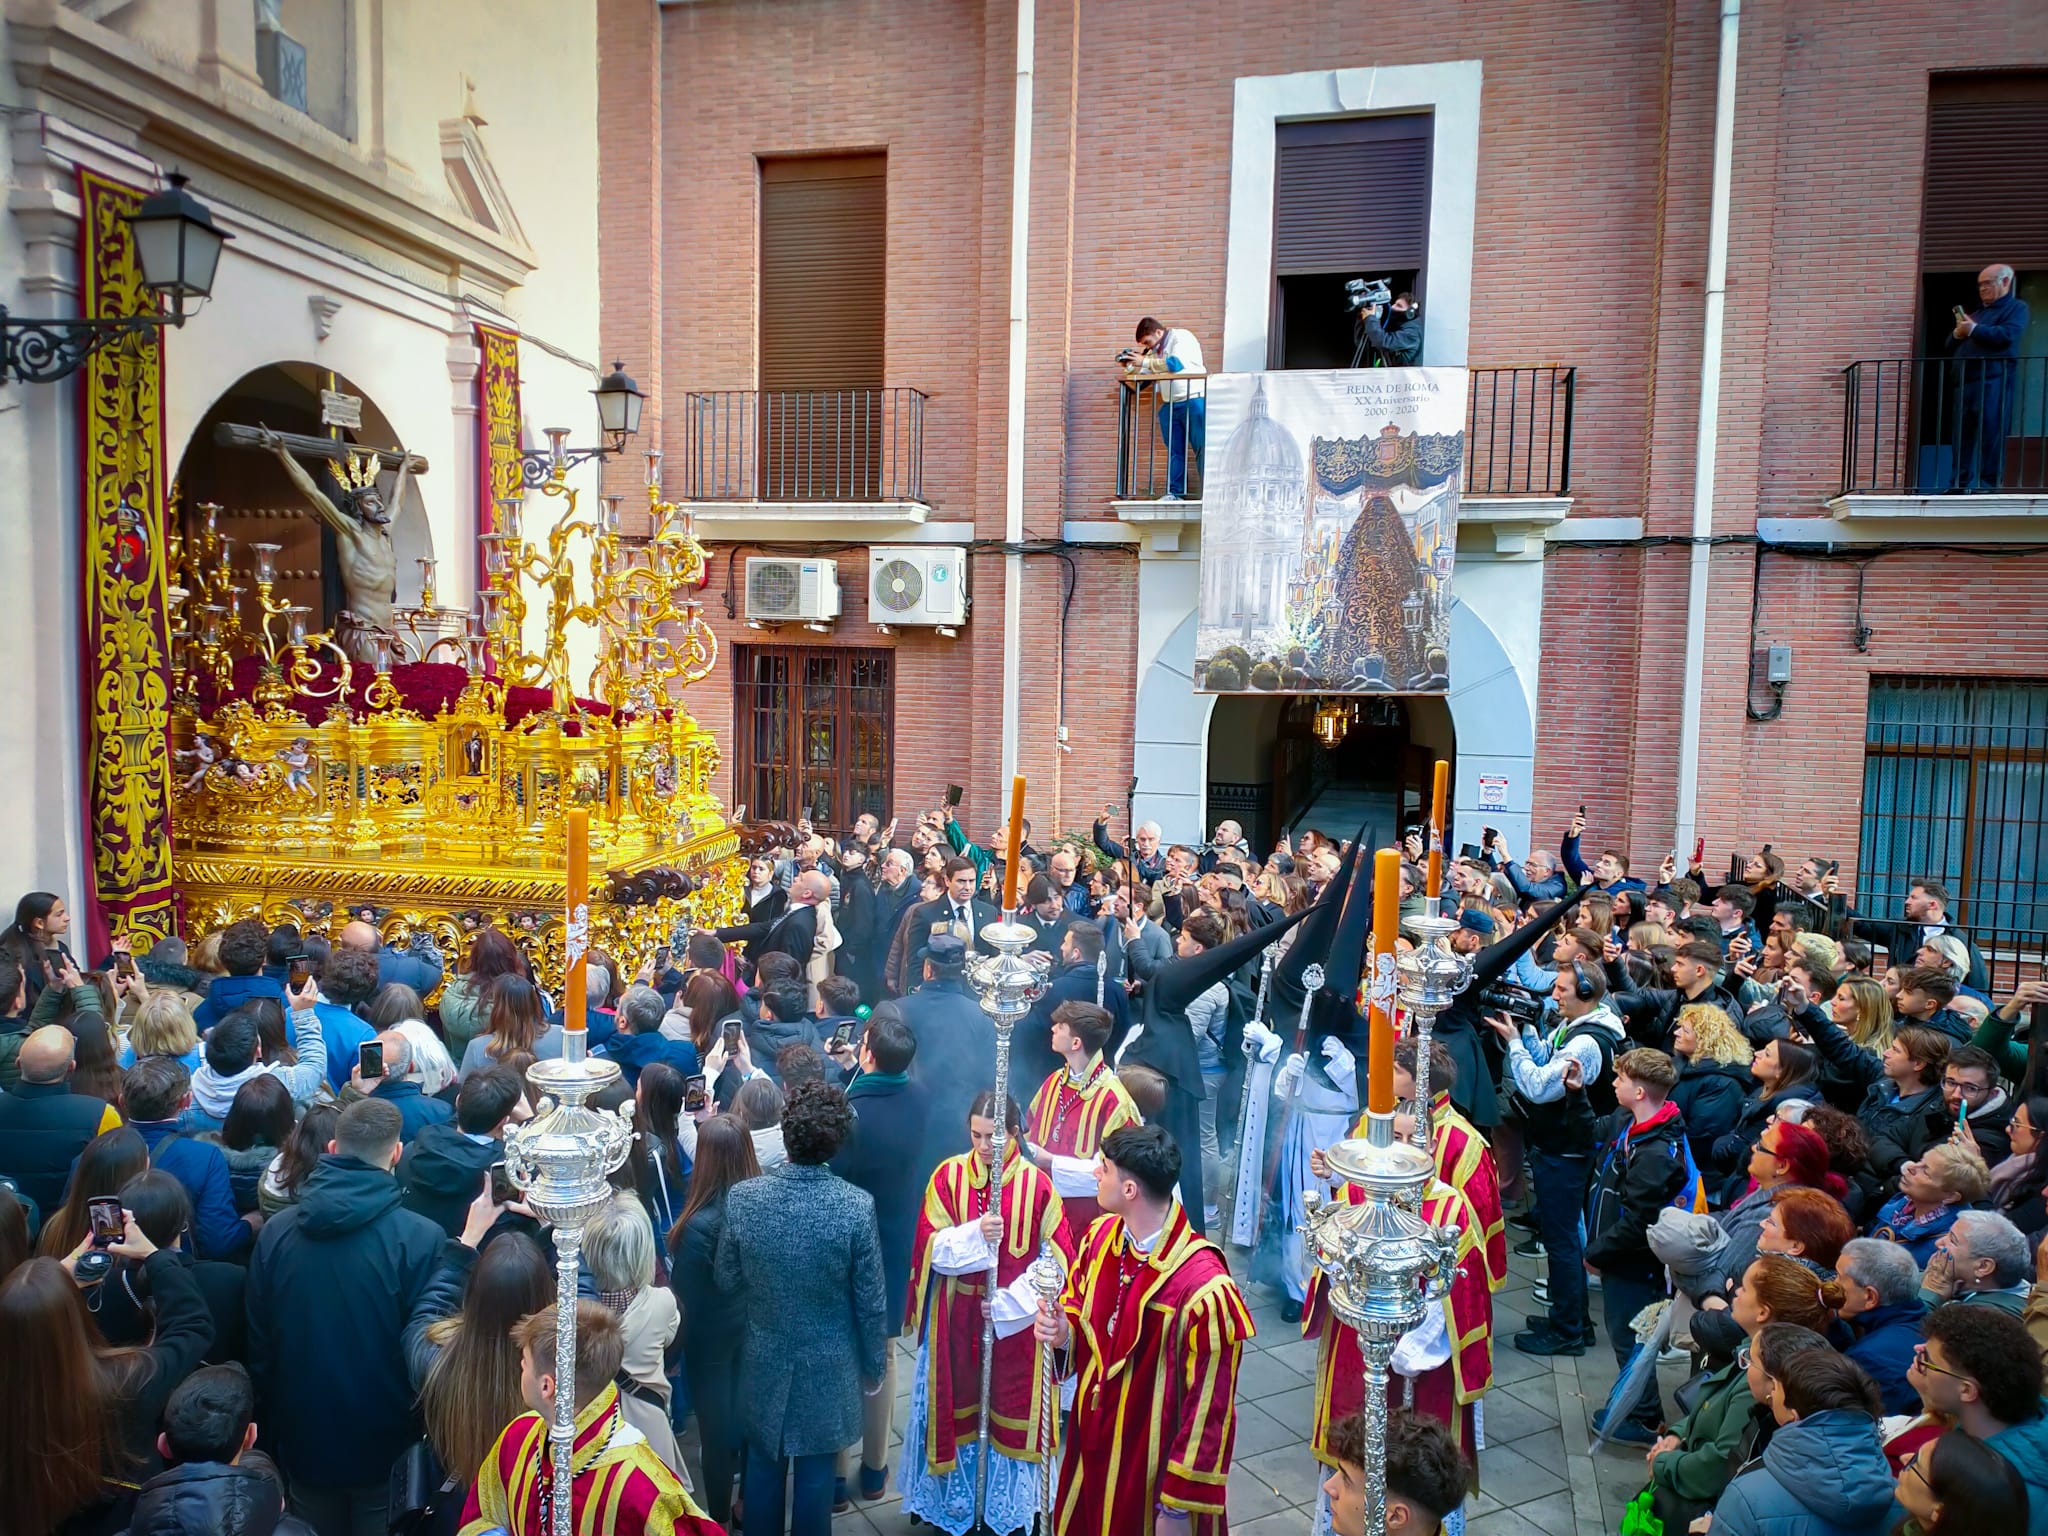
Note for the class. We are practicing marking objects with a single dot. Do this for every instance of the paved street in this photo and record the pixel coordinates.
(1536, 1473)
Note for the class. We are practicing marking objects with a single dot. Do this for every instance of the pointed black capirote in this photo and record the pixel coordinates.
(1284, 997)
(1183, 979)
(1494, 961)
(1346, 960)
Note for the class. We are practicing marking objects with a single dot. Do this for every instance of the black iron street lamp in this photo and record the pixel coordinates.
(619, 403)
(178, 248)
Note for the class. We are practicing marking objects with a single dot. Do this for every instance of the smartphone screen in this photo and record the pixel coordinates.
(124, 963)
(843, 1035)
(299, 973)
(661, 957)
(502, 1190)
(732, 1038)
(370, 1058)
(104, 1212)
(694, 1095)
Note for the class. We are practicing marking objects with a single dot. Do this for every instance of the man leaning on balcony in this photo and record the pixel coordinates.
(1985, 345)
(1182, 409)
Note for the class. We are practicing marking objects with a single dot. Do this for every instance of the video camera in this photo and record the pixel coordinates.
(1519, 1003)
(1362, 295)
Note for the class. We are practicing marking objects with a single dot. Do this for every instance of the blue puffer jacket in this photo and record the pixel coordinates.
(2026, 1447)
(1823, 1475)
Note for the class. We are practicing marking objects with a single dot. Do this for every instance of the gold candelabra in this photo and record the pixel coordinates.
(633, 590)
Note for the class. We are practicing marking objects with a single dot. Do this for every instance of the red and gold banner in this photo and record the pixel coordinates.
(498, 428)
(126, 620)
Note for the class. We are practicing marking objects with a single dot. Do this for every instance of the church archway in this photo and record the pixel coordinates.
(260, 505)
(1485, 726)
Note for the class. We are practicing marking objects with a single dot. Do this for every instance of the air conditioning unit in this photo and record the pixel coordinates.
(917, 584)
(791, 591)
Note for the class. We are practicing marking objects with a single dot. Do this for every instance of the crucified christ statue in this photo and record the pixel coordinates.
(361, 520)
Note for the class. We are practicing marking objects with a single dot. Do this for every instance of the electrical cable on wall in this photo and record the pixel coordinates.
(1863, 556)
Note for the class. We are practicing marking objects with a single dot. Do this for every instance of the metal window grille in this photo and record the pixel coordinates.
(1955, 789)
(816, 731)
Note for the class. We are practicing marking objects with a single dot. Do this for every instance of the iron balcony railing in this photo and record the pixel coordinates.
(1518, 434)
(1922, 426)
(804, 444)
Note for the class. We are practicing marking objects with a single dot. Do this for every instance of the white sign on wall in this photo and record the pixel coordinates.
(1493, 792)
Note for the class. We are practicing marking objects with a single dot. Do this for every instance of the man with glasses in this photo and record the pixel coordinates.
(1971, 1078)
(1980, 1369)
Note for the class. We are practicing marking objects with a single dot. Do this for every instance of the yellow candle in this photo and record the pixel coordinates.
(576, 937)
(1012, 859)
(1386, 923)
(1438, 798)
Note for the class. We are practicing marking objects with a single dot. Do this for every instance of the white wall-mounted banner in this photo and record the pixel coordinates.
(1329, 527)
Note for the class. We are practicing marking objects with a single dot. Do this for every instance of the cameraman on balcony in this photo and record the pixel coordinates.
(1182, 408)
(1985, 345)
(1397, 343)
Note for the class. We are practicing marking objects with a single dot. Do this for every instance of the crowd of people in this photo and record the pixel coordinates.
(261, 1267)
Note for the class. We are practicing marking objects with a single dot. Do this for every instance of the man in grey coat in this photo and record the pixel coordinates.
(801, 1246)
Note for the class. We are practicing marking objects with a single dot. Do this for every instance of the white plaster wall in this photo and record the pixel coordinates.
(409, 350)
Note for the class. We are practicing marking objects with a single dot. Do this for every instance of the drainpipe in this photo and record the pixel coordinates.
(1013, 447)
(1708, 436)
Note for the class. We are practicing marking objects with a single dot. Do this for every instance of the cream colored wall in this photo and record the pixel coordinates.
(400, 336)
(535, 67)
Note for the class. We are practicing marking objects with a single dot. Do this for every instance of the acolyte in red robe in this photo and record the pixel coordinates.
(1446, 1393)
(1071, 1122)
(621, 1488)
(1032, 1214)
(1157, 1337)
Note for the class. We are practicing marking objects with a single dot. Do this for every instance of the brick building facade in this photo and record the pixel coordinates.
(1568, 225)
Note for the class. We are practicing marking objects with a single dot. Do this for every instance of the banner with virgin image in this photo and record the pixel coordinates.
(1329, 531)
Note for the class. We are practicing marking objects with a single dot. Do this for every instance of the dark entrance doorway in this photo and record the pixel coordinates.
(1269, 771)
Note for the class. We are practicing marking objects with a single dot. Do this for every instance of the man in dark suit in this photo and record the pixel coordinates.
(884, 1155)
(896, 890)
(956, 1047)
(857, 954)
(795, 932)
(1032, 1058)
(1042, 911)
(957, 912)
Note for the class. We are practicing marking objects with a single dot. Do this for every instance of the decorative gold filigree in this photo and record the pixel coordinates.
(127, 628)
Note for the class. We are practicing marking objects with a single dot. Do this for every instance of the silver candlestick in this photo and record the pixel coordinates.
(1384, 1265)
(1431, 974)
(1009, 981)
(1048, 1279)
(560, 1159)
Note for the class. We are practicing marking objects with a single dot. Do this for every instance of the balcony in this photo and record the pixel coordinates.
(1937, 438)
(806, 459)
(1518, 456)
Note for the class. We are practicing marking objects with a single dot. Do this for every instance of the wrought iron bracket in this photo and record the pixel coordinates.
(42, 351)
(537, 465)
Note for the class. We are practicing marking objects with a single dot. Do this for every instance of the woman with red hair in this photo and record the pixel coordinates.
(1786, 1157)
(1808, 1225)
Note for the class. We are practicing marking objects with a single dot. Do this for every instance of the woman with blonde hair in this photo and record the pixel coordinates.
(1864, 1012)
(163, 1027)
(1934, 1189)
(1713, 1075)
(1646, 936)
(619, 1247)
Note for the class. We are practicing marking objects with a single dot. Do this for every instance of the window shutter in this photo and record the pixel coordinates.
(1352, 195)
(823, 271)
(1987, 173)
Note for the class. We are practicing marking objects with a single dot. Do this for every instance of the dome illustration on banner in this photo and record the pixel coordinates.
(1253, 509)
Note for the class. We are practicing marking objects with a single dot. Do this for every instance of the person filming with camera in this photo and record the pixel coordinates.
(1390, 332)
(1182, 408)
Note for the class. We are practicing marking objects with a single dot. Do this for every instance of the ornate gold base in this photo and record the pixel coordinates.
(450, 902)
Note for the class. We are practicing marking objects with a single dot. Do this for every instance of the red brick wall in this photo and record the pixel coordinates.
(1594, 162)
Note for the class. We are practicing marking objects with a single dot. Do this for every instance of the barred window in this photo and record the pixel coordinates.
(1955, 788)
(815, 727)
